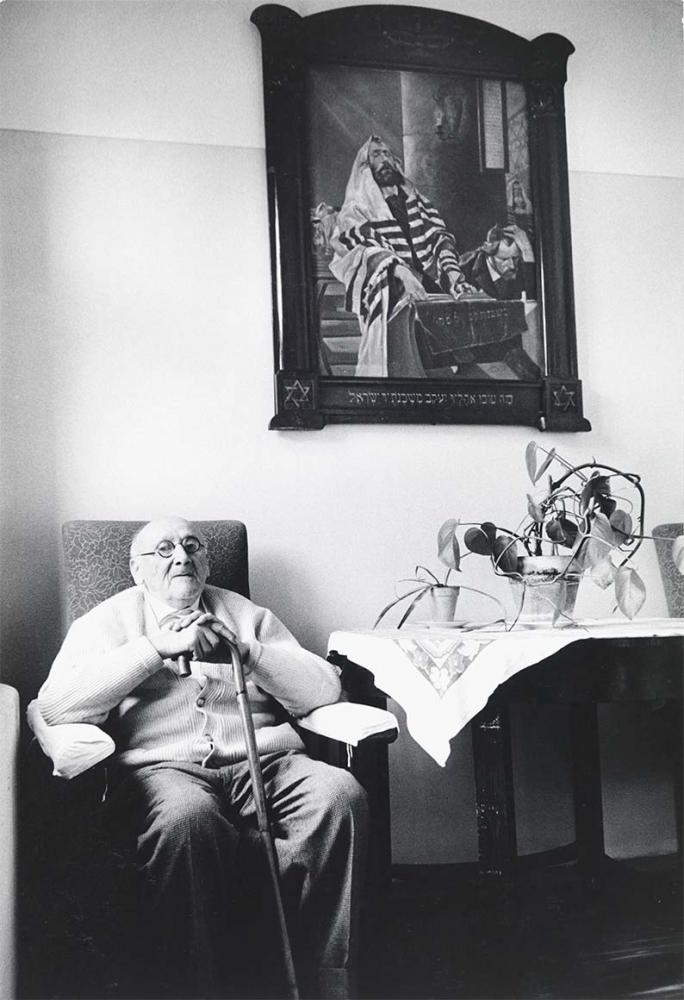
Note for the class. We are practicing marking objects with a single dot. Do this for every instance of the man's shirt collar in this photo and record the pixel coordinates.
(161, 610)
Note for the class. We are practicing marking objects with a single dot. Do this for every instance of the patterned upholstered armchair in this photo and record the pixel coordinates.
(673, 581)
(96, 564)
(96, 559)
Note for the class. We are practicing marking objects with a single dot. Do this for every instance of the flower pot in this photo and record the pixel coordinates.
(545, 593)
(439, 604)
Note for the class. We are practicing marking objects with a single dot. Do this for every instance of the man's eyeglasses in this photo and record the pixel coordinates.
(166, 548)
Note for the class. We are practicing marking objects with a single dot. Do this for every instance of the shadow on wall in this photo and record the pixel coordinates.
(29, 543)
(279, 584)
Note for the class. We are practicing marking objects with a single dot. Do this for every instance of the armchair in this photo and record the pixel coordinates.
(96, 563)
(96, 559)
(673, 581)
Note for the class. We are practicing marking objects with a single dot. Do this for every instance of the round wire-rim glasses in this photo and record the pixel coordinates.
(166, 548)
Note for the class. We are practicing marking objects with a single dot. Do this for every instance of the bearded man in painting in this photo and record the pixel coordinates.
(391, 245)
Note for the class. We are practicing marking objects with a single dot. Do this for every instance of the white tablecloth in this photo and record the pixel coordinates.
(442, 676)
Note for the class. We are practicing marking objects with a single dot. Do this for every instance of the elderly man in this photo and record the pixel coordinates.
(180, 776)
(390, 243)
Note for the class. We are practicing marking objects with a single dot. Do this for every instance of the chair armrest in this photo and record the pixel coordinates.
(351, 723)
(73, 747)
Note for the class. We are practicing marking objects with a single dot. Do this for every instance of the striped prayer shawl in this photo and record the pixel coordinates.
(370, 251)
(432, 245)
(370, 243)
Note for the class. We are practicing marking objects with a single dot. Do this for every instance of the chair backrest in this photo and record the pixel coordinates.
(96, 559)
(673, 581)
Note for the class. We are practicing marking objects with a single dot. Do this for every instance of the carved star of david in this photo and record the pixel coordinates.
(563, 399)
(297, 394)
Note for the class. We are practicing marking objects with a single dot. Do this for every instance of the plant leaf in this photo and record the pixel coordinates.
(621, 523)
(577, 561)
(489, 530)
(477, 541)
(606, 505)
(630, 591)
(603, 573)
(585, 496)
(531, 461)
(534, 510)
(546, 463)
(596, 488)
(427, 572)
(600, 526)
(448, 549)
(554, 531)
(562, 530)
(396, 600)
(505, 554)
(599, 541)
(419, 597)
(678, 553)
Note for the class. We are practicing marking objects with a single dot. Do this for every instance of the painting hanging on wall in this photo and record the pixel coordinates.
(419, 217)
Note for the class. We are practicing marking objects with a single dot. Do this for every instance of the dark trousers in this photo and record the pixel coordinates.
(189, 823)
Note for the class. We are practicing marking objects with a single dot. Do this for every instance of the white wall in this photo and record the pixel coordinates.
(137, 344)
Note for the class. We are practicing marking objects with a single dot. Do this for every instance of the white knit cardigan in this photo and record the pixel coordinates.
(108, 670)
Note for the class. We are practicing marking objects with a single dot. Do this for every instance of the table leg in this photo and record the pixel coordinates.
(586, 780)
(494, 789)
(672, 712)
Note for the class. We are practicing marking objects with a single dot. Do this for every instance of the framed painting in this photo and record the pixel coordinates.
(419, 219)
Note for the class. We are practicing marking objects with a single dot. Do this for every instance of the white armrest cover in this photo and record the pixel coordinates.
(348, 722)
(73, 747)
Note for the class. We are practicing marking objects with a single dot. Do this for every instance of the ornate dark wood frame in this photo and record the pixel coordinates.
(399, 37)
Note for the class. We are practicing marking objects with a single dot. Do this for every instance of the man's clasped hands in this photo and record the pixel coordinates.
(195, 634)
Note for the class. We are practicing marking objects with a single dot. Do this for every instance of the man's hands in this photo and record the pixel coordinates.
(414, 287)
(514, 234)
(196, 635)
(458, 286)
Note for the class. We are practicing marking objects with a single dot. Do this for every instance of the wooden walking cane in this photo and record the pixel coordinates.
(262, 813)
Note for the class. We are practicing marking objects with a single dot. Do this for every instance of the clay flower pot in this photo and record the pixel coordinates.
(439, 605)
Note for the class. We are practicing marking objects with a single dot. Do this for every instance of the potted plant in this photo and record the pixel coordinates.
(437, 598)
(587, 520)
